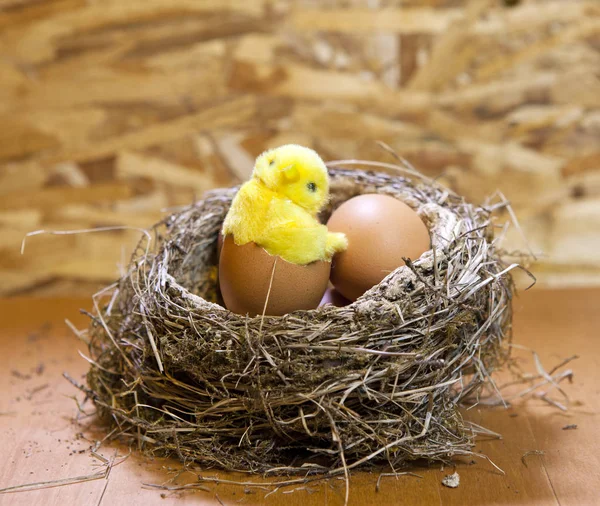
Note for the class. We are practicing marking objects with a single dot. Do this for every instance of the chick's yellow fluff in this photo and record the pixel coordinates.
(277, 209)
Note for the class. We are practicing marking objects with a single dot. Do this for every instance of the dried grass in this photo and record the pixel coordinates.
(323, 391)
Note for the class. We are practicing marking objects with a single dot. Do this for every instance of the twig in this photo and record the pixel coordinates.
(82, 231)
(189, 486)
(66, 481)
(394, 475)
(262, 316)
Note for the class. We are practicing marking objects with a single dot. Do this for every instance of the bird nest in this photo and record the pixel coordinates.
(327, 390)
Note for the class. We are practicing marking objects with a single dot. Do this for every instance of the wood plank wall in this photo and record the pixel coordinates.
(113, 111)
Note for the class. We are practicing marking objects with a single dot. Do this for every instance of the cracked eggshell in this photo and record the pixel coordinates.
(245, 273)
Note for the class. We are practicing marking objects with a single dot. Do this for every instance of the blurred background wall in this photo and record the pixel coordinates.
(112, 112)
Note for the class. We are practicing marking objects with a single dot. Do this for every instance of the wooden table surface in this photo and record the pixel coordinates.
(41, 439)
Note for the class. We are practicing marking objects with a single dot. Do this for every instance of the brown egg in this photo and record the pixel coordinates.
(380, 230)
(245, 273)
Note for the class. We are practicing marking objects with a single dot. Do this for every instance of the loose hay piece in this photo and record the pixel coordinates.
(326, 390)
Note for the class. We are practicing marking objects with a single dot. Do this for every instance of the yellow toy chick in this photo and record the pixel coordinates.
(277, 209)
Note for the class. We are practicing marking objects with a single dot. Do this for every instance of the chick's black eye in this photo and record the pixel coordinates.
(312, 187)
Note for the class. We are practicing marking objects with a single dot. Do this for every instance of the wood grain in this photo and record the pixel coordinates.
(42, 440)
(125, 109)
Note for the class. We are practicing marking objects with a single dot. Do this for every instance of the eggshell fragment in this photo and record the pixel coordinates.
(333, 297)
(245, 273)
(381, 230)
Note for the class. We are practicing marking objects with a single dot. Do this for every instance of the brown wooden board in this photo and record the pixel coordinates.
(41, 438)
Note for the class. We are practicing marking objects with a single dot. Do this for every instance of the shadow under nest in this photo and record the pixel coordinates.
(378, 381)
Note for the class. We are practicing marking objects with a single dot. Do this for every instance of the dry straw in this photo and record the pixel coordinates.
(323, 391)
